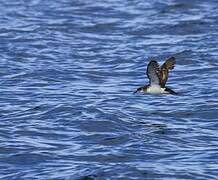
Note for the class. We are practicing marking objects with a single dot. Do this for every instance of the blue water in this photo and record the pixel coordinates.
(67, 73)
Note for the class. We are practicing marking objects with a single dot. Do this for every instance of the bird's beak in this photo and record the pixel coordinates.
(139, 89)
(135, 91)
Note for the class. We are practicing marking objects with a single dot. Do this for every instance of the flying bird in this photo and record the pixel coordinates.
(158, 76)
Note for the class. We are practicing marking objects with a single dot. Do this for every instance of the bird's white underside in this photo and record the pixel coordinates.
(156, 89)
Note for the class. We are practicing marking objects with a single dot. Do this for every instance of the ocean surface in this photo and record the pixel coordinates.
(68, 70)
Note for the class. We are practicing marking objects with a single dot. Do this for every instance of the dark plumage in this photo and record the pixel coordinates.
(158, 76)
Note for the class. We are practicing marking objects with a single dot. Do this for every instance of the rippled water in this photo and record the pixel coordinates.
(68, 70)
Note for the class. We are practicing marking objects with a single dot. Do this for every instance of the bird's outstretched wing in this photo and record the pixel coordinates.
(164, 70)
(153, 73)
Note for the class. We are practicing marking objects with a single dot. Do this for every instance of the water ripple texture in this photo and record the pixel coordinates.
(68, 70)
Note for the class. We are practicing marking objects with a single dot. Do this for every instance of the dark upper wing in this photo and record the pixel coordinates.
(164, 70)
(153, 73)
